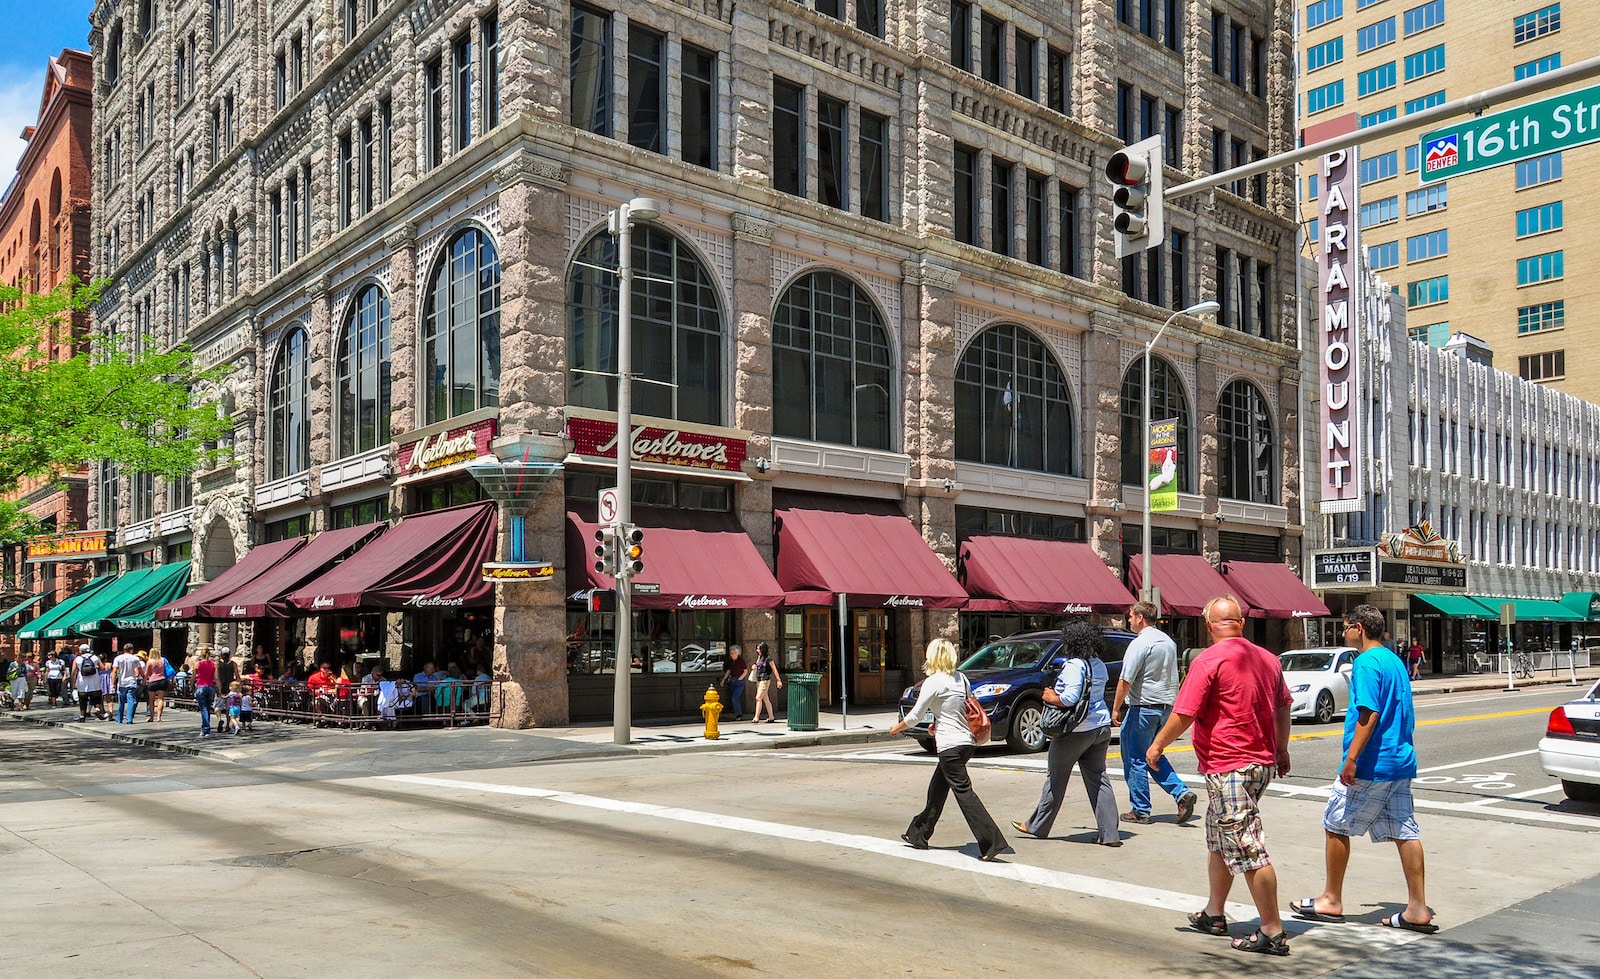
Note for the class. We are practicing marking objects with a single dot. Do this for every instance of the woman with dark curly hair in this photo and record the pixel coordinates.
(1083, 675)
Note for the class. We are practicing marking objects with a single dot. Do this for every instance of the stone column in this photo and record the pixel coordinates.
(751, 329)
(929, 345)
(1102, 407)
(750, 122)
(1288, 430)
(322, 334)
(405, 328)
(1096, 105)
(1203, 419)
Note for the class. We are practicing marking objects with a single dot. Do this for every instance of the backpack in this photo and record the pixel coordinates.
(88, 664)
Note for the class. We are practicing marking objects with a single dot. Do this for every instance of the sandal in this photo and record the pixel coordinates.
(1257, 942)
(1307, 910)
(1398, 920)
(1210, 924)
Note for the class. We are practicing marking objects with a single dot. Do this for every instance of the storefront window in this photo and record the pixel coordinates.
(975, 521)
(664, 641)
(654, 492)
(296, 526)
(437, 496)
(362, 512)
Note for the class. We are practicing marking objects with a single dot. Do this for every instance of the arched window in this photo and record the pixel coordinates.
(289, 408)
(1012, 405)
(1167, 400)
(831, 371)
(1246, 453)
(677, 329)
(461, 329)
(361, 390)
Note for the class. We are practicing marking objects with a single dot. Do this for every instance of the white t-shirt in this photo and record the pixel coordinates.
(54, 667)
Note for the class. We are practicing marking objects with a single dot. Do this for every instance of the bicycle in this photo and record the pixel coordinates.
(1522, 665)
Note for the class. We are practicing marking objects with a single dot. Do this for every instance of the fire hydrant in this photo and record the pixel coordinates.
(711, 708)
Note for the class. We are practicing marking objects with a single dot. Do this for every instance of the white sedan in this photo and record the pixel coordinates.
(1319, 680)
(1570, 748)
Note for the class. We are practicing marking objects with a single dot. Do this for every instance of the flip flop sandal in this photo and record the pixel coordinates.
(1307, 910)
(1398, 920)
(1257, 942)
(1210, 924)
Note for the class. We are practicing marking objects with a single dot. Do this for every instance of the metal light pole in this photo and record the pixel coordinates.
(1146, 590)
(620, 224)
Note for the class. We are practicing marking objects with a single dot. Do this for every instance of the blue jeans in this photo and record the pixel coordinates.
(127, 704)
(1140, 725)
(205, 698)
(736, 696)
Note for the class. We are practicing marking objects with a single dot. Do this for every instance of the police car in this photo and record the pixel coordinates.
(1570, 748)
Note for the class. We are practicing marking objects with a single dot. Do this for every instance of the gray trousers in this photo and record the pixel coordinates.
(1087, 750)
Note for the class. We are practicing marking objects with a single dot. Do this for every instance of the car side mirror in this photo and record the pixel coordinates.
(1345, 668)
(1056, 665)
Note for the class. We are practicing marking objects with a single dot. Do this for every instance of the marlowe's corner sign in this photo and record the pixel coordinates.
(683, 447)
(1338, 439)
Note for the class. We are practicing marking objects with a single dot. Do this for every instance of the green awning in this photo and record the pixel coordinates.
(36, 628)
(1532, 609)
(1458, 606)
(135, 597)
(1585, 603)
(166, 584)
(9, 613)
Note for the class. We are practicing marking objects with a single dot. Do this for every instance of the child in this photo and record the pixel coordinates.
(247, 709)
(235, 705)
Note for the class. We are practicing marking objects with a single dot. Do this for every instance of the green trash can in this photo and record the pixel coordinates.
(803, 701)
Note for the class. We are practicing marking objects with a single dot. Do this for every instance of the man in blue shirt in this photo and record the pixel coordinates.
(1373, 793)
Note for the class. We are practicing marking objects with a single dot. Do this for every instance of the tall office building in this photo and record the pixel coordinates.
(1494, 253)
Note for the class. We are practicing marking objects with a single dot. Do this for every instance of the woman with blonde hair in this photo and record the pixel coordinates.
(944, 694)
(155, 685)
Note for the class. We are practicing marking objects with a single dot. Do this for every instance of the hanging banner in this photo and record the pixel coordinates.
(1338, 443)
(1162, 479)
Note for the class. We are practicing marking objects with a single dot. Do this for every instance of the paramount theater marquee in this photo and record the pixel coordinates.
(1338, 367)
(1415, 559)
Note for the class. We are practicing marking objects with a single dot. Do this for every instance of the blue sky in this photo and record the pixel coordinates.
(34, 31)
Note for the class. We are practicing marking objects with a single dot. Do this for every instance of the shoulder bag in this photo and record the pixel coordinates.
(977, 717)
(1060, 721)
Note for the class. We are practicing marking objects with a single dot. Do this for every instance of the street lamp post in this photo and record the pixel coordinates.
(620, 223)
(1146, 590)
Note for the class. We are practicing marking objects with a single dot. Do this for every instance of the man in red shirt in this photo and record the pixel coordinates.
(1237, 701)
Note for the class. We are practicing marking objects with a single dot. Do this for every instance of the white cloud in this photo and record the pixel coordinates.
(19, 108)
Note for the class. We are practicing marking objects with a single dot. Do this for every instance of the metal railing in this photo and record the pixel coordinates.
(450, 703)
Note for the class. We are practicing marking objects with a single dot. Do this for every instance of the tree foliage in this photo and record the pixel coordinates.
(136, 410)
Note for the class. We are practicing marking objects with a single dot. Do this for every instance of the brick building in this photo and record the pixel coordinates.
(878, 318)
(44, 240)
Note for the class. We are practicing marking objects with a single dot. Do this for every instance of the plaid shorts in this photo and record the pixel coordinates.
(1383, 810)
(1233, 817)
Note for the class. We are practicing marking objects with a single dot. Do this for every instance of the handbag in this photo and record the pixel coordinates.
(1060, 721)
(977, 718)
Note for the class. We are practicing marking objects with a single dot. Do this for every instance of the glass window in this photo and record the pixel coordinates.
(1012, 404)
(1319, 12)
(677, 329)
(1540, 268)
(991, 40)
(361, 390)
(1543, 367)
(1538, 220)
(590, 56)
(1433, 244)
(1542, 316)
(1167, 400)
(1325, 54)
(1038, 220)
(874, 148)
(788, 138)
(869, 16)
(1375, 79)
(289, 408)
(1420, 18)
(1001, 175)
(1425, 63)
(1539, 170)
(647, 89)
(961, 34)
(461, 329)
(1382, 115)
(1058, 80)
(699, 107)
(461, 77)
(966, 194)
(1067, 218)
(1027, 73)
(832, 375)
(1427, 292)
(1545, 20)
(1325, 97)
(1375, 35)
(1378, 167)
(1425, 102)
(1432, 198)
(832, 148)
(1246, 450)
(1538, 66)
(1379, 212)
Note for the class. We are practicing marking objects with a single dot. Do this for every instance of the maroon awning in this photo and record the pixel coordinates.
(262, 597)
(261, 559)
(700, 560)
(1187, 582)
(1273, 590)
(429, 560)
(874, 558)
(1052, 577)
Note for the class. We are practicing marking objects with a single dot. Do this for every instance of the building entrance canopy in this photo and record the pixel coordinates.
(1031, 576)
(429, 560)
(1530, 609)
(1273, 590)
(1585, 603)
(1458, 606)
(876, 558)
(699, 560)
(37, 628)
(258, 562)
(11, 613)
(128, 602)
(1187, 582)
(263, 595)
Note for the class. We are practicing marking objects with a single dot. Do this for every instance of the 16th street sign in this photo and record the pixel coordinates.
(1555, 123)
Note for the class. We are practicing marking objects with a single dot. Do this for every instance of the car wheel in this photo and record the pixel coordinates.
(1581, 791)
(1324, 707)
(1027, 727)
(928, 745)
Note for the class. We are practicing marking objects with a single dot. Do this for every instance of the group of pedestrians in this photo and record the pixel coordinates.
(1236, 703)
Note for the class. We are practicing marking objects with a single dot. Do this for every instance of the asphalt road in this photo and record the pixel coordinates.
(122, 859)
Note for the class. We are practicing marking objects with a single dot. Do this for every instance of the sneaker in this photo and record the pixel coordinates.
(1186, 807)
(1135, 817)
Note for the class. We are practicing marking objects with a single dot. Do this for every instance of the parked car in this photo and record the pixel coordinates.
(1319, 680)
(1008, 677)
(1570, 748)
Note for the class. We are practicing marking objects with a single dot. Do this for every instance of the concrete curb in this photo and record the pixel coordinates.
(105, 735)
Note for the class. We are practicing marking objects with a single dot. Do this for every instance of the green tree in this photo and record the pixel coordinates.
(137, 411)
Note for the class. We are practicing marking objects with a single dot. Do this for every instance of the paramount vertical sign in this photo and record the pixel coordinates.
(1339, 437)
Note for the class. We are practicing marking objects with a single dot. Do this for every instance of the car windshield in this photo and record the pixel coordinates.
(1008, 654)
(1305, 662)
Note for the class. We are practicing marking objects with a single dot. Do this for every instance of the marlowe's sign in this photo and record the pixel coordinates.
(1339, 441)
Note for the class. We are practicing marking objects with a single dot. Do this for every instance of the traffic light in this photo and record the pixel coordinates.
(1135, 173)
(605, 550)
(630, 547)
(602, 600)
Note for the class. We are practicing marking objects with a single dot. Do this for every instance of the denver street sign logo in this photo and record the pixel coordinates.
(1556, 123)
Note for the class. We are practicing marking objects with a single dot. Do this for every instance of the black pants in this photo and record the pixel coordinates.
(87, 700)
(951, 776)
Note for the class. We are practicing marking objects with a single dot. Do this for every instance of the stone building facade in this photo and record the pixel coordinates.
(44, 241)
(883, 267)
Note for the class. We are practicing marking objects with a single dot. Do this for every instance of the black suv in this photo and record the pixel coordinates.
(1008, 677)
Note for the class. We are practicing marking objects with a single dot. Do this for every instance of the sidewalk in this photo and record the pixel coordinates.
(303, 746)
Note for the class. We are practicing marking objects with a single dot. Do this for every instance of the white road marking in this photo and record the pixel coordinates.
(1478, 761)
(1519, 797)
(1353, 934)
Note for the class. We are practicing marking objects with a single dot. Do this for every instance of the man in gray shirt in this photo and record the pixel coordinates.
(1145, 694)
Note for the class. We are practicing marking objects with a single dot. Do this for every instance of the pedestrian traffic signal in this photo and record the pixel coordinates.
(602, 600)
(1135, 173)
(631, 548)
(605, 551)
